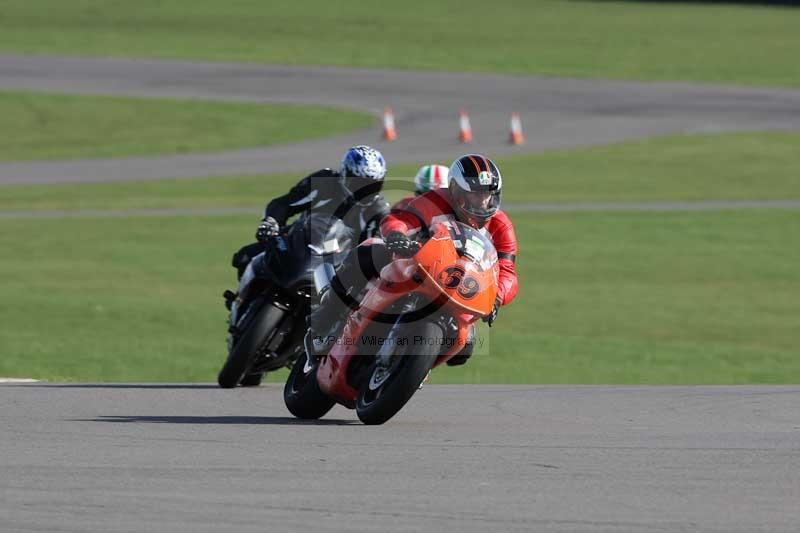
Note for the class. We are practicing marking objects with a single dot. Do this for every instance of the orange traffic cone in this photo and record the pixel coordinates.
(516, 130)
(389, 133)
(465, 130)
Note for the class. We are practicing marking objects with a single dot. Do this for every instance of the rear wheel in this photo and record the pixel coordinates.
(302, 394)
(388, 389)
(241, 356)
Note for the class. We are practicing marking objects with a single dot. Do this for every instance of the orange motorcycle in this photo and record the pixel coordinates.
(418, 314)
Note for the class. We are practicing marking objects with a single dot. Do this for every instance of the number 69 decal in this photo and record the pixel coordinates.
(453, 278)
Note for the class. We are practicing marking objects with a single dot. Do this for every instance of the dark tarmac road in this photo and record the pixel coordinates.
(114, 458)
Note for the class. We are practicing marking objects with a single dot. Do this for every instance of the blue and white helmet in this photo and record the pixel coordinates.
(361, 173)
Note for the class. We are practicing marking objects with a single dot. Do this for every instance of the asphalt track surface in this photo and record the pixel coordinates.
(108, 458)
(556, 113)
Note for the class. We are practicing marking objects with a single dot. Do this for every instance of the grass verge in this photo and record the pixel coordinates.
(605, 298)
(717, 42)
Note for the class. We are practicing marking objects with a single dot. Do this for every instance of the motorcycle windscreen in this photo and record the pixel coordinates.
(475, 246)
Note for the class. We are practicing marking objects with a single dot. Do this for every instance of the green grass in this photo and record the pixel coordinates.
(713, 167)
(250, 191)
(680, 298)
(47, 126)
(741, 166)
(653, 298)
(752, 44)
(605, 298)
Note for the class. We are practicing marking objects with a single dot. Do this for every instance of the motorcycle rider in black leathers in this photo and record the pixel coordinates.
(353, 194)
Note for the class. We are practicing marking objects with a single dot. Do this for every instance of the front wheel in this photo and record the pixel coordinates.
(241, 355)
(389, 389)
(302, 394)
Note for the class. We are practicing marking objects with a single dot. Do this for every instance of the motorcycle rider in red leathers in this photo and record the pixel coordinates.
(472, 197)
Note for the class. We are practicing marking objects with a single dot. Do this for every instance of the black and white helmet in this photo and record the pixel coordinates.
(475, 187)
(361, 173)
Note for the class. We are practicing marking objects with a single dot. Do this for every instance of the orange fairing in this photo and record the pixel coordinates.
(468, 284)
(457, 262)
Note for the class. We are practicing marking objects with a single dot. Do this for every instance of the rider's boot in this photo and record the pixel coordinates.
(325, 323)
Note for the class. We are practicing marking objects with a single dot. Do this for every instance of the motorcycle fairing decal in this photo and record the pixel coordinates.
(328, 247)
(454, 277)
(331, 246)
(449, 296)
(307, 198)
(469, 288)
(474, 248)
(451, 276)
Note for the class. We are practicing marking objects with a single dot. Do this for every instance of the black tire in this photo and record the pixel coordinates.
(241, 356)
(302, 394)
(410, 365)
(252, 380)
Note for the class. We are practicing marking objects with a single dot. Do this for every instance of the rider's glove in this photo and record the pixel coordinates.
(489, 319)
(269, 227)
(400, 244)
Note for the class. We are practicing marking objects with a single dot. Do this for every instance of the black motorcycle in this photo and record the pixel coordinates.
(267, 321)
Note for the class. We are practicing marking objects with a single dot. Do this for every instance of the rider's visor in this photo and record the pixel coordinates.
(482, 204)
